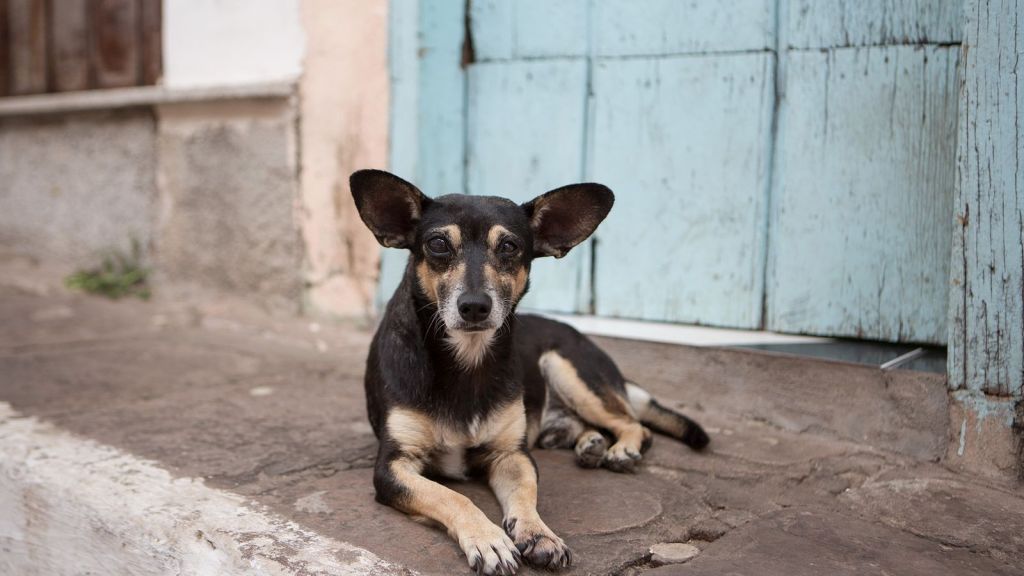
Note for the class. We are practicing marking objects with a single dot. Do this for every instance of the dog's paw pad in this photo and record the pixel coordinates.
(545, 551)
(490, 551)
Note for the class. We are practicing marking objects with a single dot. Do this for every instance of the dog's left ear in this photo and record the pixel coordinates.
(566, 216)
(389, 206)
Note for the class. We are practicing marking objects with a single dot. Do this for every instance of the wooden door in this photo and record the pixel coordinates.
(779, 164)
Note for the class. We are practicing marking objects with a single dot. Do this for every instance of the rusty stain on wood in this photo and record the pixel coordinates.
(71, 45)
(115, 43)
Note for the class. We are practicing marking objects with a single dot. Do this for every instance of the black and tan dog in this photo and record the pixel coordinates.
(458, 385)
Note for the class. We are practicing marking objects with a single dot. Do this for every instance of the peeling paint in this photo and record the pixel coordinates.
(987, 407)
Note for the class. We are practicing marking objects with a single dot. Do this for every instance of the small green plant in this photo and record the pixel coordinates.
(117, 276)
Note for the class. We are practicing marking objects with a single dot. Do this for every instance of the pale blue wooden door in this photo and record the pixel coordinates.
(683, 95)
(616, 92)
(862, 203)
(780, 164)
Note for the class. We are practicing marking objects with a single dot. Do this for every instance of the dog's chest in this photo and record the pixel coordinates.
(452, 450)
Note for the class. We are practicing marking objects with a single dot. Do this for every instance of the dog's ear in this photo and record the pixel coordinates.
(566, 216)
(389, 206)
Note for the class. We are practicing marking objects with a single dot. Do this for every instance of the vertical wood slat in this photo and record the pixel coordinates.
(114, 54)
(150, 41)
(684, 142)
(428, 143)
(525, 136)
(26, 28)
(986, 340)
(863, 191)
(69, 45)
(4, 53)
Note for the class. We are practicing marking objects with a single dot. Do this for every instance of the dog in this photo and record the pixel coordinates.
(460, 386)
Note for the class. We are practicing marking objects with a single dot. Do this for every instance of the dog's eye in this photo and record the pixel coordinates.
(438, 246)
(508, 247)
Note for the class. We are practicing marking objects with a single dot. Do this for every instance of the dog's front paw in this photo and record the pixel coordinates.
(539, 546)
(489, 551)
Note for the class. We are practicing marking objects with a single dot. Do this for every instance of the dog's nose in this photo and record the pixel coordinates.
(474, 307)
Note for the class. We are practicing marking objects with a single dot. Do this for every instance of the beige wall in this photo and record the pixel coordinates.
(226, 174)
(343, 127)
(76, 187)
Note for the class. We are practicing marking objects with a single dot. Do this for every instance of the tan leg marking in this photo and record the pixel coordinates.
(612, 414)
(514, 482)
(420, 438)
(485, 545)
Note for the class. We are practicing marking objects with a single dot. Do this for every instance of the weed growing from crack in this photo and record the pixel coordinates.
(117, 276)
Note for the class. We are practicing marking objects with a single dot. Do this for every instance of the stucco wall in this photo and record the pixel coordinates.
(227, 177)
(243, 194)
(344, 127)
(231, 42)
(74, 187)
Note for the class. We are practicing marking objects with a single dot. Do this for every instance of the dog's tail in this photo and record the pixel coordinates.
(665, 420)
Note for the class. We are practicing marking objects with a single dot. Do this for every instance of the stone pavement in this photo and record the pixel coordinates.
(815, 467)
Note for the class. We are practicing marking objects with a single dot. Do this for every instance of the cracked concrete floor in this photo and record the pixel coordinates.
(271, 408)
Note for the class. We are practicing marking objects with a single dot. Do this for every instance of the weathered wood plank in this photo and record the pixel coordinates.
(844, 23)
(504, 30)
(26, 28)
(69, 42)
(151, 59)
(428, 120)
(525, 137)
(863, 191)
(657, 27)
(684, 142)
(114, 52)
(986, 342)
(5, 59)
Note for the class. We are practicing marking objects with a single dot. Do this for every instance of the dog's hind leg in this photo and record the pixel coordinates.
(559, 427)
(608, 412)
(591, 447)
(562, 428)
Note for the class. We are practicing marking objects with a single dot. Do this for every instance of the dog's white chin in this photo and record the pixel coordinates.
(470, 348)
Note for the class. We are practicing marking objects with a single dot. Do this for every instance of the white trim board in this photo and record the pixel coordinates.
(686, 335)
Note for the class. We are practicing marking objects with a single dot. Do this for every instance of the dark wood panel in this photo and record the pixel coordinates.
(5, 68)
(115, 43)
(26, 27)
(69, 45)
(151, 41)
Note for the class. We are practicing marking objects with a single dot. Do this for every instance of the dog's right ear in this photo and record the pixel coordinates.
(389, 206)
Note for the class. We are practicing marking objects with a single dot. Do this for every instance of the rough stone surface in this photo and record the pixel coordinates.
(673, 553)
(74, 187)
(271, 410)
(896, 410)
(228, 181)
(982, 436)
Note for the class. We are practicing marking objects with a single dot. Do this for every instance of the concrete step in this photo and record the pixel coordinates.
(206, 437)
